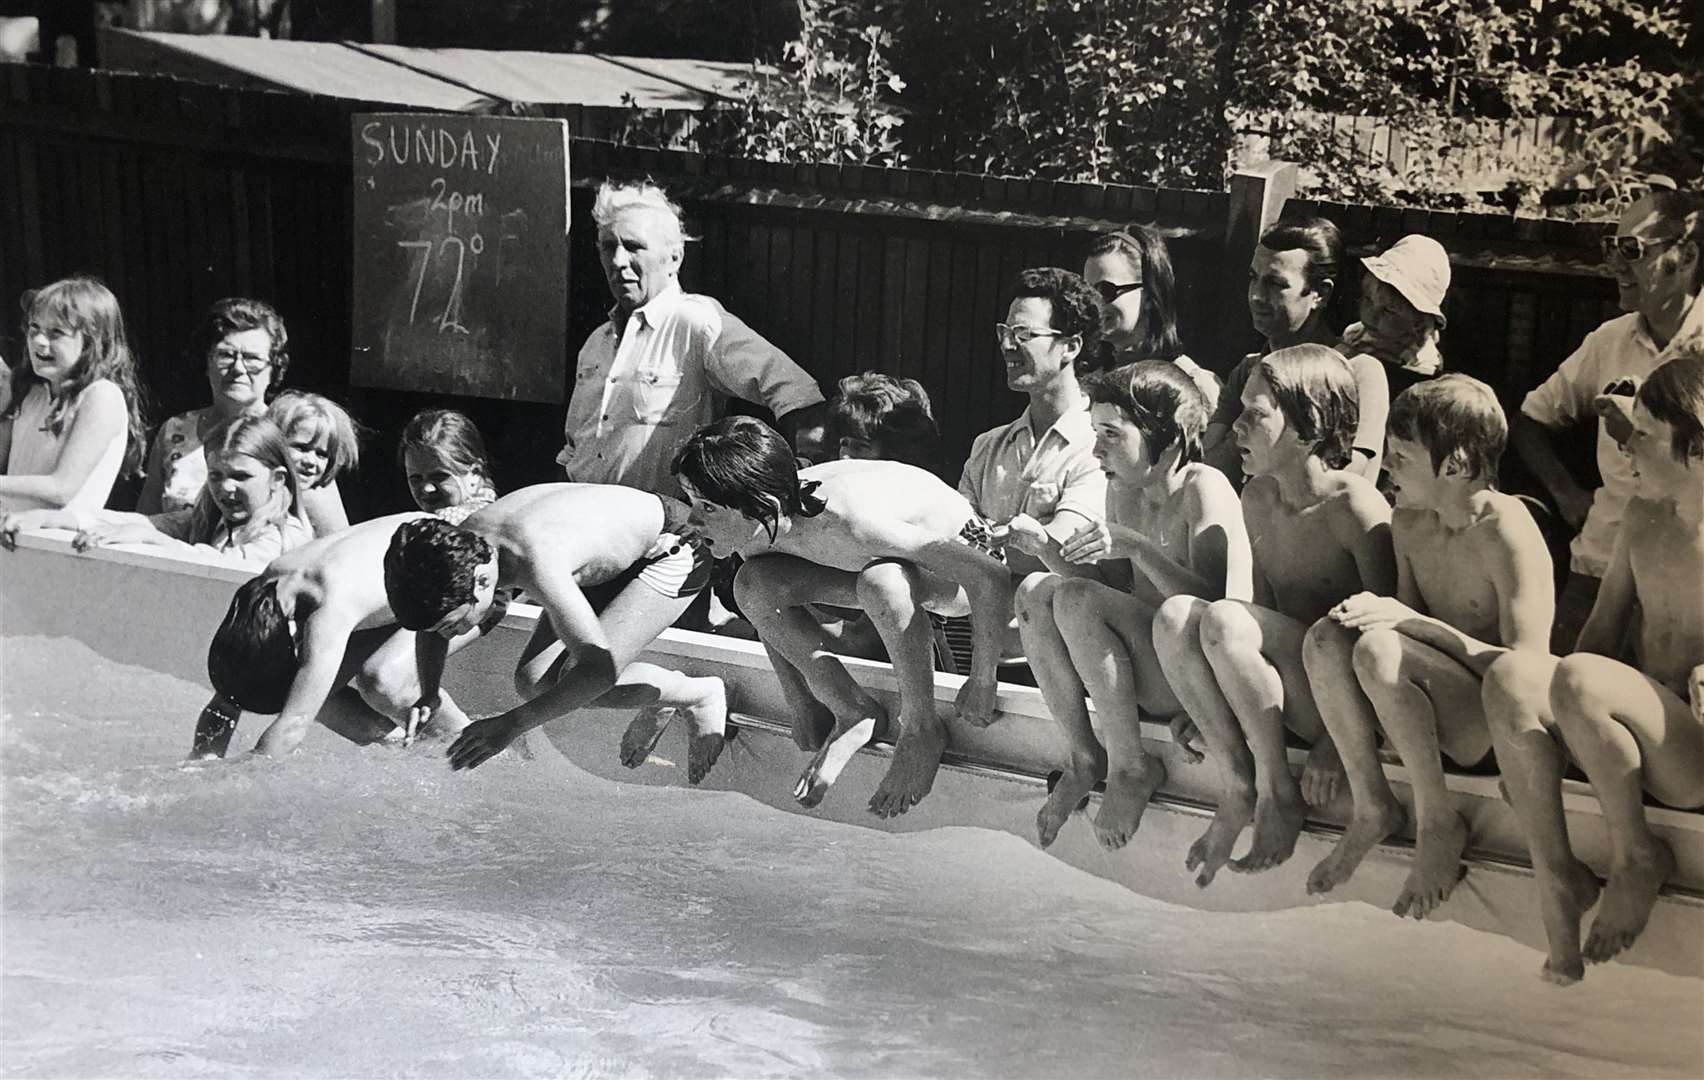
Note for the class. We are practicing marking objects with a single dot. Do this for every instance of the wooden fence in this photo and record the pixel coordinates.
(178, 194)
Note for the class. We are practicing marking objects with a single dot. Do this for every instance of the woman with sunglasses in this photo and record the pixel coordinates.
(1132, 272)
(243, 344)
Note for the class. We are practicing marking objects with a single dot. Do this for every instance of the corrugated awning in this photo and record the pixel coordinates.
(445, 79)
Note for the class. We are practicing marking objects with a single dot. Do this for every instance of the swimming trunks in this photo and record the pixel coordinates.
(977, 533)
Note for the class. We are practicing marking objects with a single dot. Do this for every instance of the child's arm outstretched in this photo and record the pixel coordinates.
(1606, 626)
(12, 524)
(101, 414)
(324, 637)
(323, 506)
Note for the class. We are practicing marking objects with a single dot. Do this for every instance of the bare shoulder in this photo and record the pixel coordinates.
(1355, 500)
(1207, 492)
(1506, 519)
(1412, 528)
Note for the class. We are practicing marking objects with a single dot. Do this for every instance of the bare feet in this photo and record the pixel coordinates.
(1628, 899)
(1323, 774)
(825, 768)
(1213, 849)
(916, 757)
(812, 728)
(1437, 866)
(643, 734)
(1563, 901)
(1074, 785)
(706, 733)
(1127, 795)
(1364, 832)
(1277, 822)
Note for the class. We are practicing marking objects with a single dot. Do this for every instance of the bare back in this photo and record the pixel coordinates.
(593, 531)
(342, 573)
(869, 505)
(1308, 555)
(1667, 558)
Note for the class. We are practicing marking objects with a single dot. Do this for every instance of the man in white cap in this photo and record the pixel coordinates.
(1402, 315)
(1657, 271)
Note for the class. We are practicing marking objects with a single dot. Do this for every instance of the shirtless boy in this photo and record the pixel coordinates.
(1632, 727)
(1473, 579)
(312, 621)
(1319, 535)
(610, 569)
(1173, 527)
(878, 535)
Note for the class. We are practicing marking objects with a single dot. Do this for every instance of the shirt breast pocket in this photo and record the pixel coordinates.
(654, 392)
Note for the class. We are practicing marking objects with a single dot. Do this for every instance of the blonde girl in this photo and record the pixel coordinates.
(74, 420)
(248, 513)
(324, 443)
(448, 470)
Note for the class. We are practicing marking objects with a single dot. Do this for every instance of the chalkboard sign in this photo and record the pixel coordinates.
(461, 255)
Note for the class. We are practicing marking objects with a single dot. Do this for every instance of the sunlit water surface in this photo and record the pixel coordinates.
(368, 913)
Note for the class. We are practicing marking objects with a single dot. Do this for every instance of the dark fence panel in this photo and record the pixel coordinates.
(179, 194)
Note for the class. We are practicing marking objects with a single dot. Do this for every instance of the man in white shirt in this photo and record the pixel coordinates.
(666, 361)
(1657, 290)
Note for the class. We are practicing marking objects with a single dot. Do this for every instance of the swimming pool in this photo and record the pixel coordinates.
(366, 912)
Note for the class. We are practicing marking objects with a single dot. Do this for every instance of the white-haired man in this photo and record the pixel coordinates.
(662, 365)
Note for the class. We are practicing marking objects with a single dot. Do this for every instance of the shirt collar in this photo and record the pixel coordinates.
(653, 309)
(1073, 426)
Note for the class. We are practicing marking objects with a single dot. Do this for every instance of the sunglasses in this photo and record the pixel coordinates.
(1631, 248)
(1111, 291)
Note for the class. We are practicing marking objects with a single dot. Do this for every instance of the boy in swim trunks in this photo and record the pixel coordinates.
(314, 620)
(883, 536)
(610, 569)
(1634, 728)
(1473, 581)
(1320, 534)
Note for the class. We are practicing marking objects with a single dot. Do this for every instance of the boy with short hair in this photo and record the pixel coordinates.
(1319, 534)
(1173, 526)
(1632, 727)
(610, 569)
(882, 417)
(880, 535)
(1473, 581)
(312, 621)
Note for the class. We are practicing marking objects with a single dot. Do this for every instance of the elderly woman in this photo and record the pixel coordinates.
(1292, 295)
(1132, 271)
(244, 345)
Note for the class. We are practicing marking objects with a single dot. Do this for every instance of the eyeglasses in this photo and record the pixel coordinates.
(1111, 291)
(228, 359)
(1631, 248)
(1021, 335)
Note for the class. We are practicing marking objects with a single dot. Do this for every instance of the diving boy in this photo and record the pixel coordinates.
(312, 621)
(879, 535)
(1173, 527)
(1319, 534)
(1633, 727)
(1473, 579)
(610, 568)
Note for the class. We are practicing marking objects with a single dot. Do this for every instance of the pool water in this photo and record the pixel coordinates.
(367, 912)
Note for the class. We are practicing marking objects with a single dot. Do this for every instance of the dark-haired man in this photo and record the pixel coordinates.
(314, 620)
(611, 571)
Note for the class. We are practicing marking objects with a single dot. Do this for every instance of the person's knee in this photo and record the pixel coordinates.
(1377, 658)
(1033, 601)
(1579, 688)
(1076, 607)
(1226, 626)
(887, 591)
(754, 588)
(1516, 687)
(1326, 648)
(527, 684)
(1174, 622)
(388, 691)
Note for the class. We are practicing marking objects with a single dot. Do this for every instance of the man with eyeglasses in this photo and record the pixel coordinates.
(1657, 270)
(1041, 464)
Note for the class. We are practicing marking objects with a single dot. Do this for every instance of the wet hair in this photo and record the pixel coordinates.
(1165, 405)
(1146, 250)
(1315, 391)
(429, 570)
(744, 464)
(234, 315)
(294, 408)
(84, 304)
(1076, 308)
(252, 660)
(1322, 241)
(1685, 209)
(1453, 415)
(891, 412)
(616, 198)
(1674, 394)
(450, 435)
(257, 437)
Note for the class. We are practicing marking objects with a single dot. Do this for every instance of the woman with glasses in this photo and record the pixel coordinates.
(1132, 272)
(243, 344)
